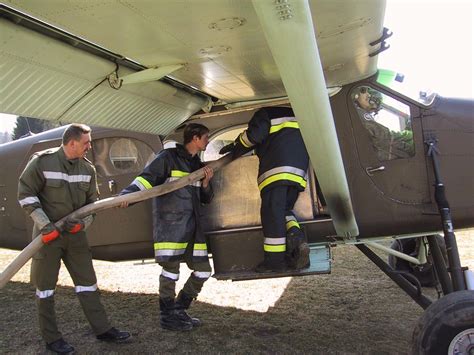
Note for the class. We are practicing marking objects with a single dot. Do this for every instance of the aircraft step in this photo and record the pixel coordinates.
(320, 263)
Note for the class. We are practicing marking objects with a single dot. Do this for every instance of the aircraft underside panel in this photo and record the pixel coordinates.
(48, 79)
(220, 42)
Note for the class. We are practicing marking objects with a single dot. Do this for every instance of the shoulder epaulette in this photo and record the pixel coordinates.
(46, 151)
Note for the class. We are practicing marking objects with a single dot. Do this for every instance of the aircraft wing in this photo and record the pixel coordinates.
(56, 56)
(150, 65)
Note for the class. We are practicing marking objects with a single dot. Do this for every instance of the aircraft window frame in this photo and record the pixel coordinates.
(406, 87)
(387, 120)
(107, 165)
(207, 155)
(123, 154)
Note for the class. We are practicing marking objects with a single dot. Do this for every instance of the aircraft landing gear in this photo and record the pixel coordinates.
(446, 326)
(425, 273)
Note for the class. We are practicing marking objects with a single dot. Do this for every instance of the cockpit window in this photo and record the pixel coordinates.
(399, 83)
(387, 121)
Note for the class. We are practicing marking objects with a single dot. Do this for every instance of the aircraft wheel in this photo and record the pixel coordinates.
(446, 326)
(425, 273)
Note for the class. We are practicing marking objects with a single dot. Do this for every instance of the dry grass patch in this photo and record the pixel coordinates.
(356, 309)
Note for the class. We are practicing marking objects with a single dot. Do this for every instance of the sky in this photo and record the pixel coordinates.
(432, 44)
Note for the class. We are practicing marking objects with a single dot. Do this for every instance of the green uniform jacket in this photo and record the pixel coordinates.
(57, 185)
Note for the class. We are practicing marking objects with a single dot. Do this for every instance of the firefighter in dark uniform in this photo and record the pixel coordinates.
(55, 183)
(274, 133)
(177, 232)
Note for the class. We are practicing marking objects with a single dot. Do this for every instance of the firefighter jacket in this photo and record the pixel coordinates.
(176, 222)
(274, 134)
(56, 185)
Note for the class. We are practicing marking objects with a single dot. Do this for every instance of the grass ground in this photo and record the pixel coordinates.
(356, 309)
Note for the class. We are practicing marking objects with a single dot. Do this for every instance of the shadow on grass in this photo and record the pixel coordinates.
(349, 312)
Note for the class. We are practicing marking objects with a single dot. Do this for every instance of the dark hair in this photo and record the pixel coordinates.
(75, 131)
(193, 129)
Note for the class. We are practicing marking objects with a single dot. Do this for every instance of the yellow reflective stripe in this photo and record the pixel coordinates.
(282, 176)
(200, 246)
(281, 169)
(144, 182)
(245, 140)
(291, 224)
(178, 173)
(170, 245)
(274, 248)
(280, 126)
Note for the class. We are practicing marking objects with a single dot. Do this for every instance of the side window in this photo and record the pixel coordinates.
(117, 156)
(219, 141)
(387, 121)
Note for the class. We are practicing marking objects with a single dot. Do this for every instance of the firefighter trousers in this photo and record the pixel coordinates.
(170, 274)
(73, 250)
(278, 221)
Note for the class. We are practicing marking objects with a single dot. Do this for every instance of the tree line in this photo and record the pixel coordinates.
(26, 126)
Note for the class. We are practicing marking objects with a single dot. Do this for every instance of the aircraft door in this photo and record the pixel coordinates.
(118, 160)
(236, 202)
(389, 143)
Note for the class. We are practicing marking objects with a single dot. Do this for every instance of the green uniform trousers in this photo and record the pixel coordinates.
(74, 250)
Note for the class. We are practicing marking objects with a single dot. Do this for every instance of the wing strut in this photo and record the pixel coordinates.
(289, 32)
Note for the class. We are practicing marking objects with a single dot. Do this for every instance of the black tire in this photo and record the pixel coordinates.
(425, 273)
(445, 323)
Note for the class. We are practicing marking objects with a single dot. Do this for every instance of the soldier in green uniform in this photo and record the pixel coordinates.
(387, 144)
(55, 183)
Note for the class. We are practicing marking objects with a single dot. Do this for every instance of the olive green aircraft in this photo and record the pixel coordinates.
(387, 163)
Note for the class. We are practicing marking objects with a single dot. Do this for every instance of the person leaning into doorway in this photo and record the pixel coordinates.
(283, 164)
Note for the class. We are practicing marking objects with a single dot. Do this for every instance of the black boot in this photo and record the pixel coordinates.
(182, 304)
(60, 347)
(297, 250)
(272, 262)
(169, 316)
(302, 262)
(114, 335)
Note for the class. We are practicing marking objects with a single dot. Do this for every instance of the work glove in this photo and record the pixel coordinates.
(227, 148)
(73, 225)
(49, 233)
(236, 150)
